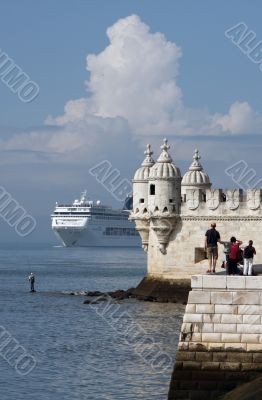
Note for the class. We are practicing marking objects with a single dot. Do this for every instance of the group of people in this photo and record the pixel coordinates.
(231, 251)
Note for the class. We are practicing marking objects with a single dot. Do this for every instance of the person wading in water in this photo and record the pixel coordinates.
(31, 279)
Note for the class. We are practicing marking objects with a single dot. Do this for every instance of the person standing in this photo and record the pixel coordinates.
(31, 279)
(249, 252)
(233, 255)
(212, 237)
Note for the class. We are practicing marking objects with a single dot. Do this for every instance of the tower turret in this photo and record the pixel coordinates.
(140, 183)
(140, 212)
(164, 196)
(164, 184)
(195, 177)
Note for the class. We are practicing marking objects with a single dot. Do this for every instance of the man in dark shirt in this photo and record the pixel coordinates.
(212, 237)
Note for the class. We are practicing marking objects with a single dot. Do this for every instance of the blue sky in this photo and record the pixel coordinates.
(208, 93)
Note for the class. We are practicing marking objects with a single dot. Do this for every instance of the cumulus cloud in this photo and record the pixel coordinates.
(132, 92)
(240, 119)
(135, 77)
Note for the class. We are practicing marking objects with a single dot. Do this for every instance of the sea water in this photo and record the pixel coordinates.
(79, 353)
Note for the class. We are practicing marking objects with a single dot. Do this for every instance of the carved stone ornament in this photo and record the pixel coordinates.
(163, 227)
(232, 199)
(212, 199)
(253, 199)
(192, 199)
(142, 226)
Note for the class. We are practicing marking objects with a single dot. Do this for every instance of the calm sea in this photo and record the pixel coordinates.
(79, 354)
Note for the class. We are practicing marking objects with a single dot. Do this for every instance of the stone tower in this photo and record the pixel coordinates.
(140, 197)
(173, 216)
(157, 197)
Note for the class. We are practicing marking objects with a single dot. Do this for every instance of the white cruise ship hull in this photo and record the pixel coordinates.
(90, 238)
(86, 224)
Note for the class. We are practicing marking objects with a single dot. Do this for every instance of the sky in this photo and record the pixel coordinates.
(112, 76)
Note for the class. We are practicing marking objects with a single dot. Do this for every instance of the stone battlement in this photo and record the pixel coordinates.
(216, 202)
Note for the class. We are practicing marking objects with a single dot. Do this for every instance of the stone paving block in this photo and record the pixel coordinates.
(219, 356)
(212, 318)
(211, 337)
(196, 337)
(237, 347)
(197, 327)
(257, 357)
(187, 327)
(190, 308)
(216, 346)
(195, 346)
(249, 338)
(199, 297)
(196, 281)
(231, 337)
(221, 297)
(254, 347)
(231, 319)
(187, 356)
(193, 318)
(205, 308)
(207, 328)
(250, 309)
(191, 365)
(245, 297)
(183, 346)
(239, 357)
(226, 309)
(251, 319)
(214, 281)
(251, 367)
(230, 366)
(210, 365)
(236, 282)
(249, 328)
(203, 356)
(253, 282)
(225, 328)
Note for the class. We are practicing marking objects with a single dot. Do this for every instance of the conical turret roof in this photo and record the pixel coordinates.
(142, 174)
(196, 176)
(164, 167)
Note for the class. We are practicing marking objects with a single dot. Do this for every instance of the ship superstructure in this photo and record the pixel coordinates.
(88, 223)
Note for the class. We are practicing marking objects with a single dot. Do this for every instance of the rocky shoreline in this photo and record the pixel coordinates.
(149, 289)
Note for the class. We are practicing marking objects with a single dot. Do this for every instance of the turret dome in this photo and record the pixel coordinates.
(196, 176)
(142, 174)
(164, 168)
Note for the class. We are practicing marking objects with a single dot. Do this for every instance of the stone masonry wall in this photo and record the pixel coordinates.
(188, 235)
(220, 345)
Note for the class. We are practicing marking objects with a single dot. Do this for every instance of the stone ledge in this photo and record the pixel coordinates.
(226, 282)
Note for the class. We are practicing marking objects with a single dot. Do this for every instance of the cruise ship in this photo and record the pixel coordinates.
(86, 223)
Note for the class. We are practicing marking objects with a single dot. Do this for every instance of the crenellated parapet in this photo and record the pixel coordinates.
(221, 203)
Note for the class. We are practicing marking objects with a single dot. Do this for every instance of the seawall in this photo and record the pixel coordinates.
(220, 344)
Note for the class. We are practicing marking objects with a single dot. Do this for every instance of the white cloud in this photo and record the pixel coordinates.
(240, 119)
(132, 93)
(135, 77)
